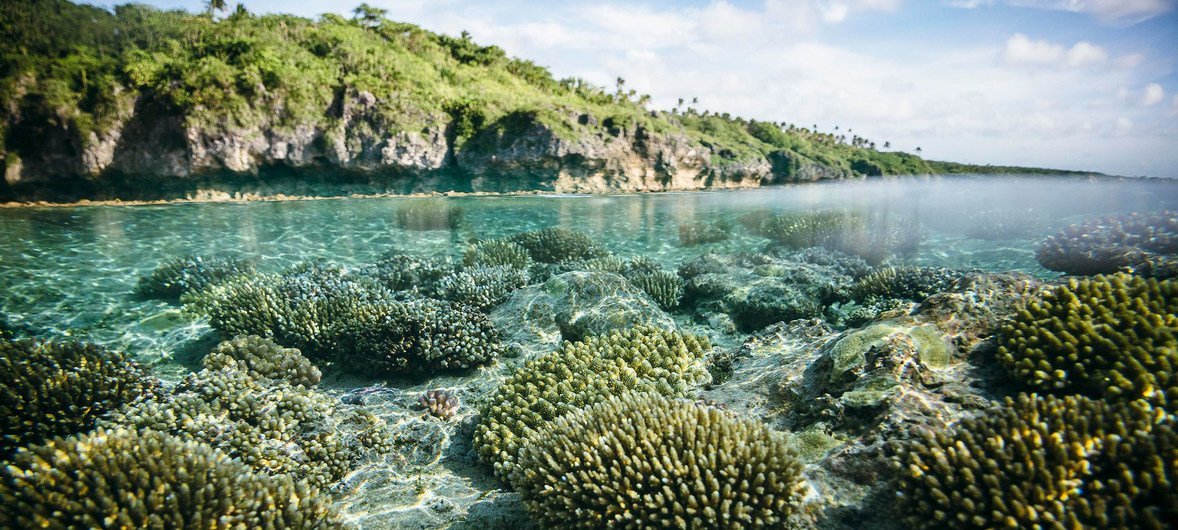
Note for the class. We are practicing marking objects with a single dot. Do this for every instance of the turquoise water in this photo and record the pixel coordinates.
(73, 270)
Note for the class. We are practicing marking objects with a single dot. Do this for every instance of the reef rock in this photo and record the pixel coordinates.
(575, 305)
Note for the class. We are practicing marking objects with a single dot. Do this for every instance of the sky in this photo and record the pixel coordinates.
(1074, 84)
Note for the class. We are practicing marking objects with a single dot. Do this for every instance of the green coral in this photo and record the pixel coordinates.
(642, 461)
(262, 358)
(414, 337)
(352, 320)
(1113, 336)
(178, 276)
(268, 424)
(583, 373)
(1045, 462)
(482, 287)
(558, 245)
(497, 252)
(665, 288)
(1142, 243)
(144, 479)
(911, 283)
(50, 389)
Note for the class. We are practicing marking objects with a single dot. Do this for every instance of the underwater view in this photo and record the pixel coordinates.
(973, 351)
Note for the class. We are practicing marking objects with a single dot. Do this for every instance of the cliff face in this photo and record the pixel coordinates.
(152, 151)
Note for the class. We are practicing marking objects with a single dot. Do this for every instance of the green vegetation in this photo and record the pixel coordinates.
(645, 461)
(50, 389)
(69, 74)
(581, 374)
(1109, 336)
(1044, 462)
(145, 479)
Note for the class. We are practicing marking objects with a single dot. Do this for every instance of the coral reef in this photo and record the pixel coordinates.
(756, 290)
(414, 337)
(642, 460)
(439, 403)
(1141, 243)
(1044, 462)
(143, 479)
(666, 288)
(1112, 336)
(352, 320)
(700, 232)
(497, 252)
(583, 373)
(481, 287)
(404, 272)
(178, 276)
(557, 245)
(268, 424)
(50, 389)
(910, 283)
(262, 358)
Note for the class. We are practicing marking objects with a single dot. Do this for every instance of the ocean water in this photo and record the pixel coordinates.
(72, 271)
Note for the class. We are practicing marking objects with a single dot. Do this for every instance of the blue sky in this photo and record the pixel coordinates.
(1079, 84)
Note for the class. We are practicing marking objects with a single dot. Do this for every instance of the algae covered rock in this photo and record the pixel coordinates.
(1140, 243)
(642, 461)
(579, 305)
(1044, 462)
(583, 373)
(1112, 336)
(145, 479)
(50, 389)
(181, 275)
(262, 358)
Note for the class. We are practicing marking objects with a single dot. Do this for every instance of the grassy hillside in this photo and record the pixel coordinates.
(78, 68)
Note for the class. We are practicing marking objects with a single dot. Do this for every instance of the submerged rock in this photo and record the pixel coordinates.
(575, 305)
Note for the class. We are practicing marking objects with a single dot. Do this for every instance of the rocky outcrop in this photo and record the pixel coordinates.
(152, 150)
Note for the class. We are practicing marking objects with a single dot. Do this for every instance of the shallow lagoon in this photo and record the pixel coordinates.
(75, 270)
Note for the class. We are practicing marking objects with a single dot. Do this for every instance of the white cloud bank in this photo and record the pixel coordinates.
(1113, 12)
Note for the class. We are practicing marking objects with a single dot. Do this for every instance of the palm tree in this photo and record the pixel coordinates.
(215, 5)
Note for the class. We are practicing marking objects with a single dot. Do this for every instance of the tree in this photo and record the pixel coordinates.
(918, 150)
(887, 145)
(214, 6)
(369, 16)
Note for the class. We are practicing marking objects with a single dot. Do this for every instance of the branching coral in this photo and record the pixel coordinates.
(50, 389)
(1141, 243)
(439, 404)
(261, 358)
(1045, 462)
(191, 273)
(269, 425)
(556, 245)
(643, 461)
(481, 287)
(404, 272)
(874, 237)
(581, 374)
(144, 479)
(666, 288)
(1113, 336)
(911, 283)
(497, 252)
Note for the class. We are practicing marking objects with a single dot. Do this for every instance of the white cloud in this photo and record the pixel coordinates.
(1022, 50)
(1153, 95)
(1114, 12)
(1131, 60)
(1084, 53)
(1124, 125)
